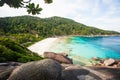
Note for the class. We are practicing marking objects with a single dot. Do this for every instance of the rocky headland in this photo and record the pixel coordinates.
(58, 67)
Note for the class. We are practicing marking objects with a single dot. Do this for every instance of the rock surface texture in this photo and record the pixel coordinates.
(7, 68)
(76, 72)
(62, 58)
(46, 69)
(49, 69)
(109, 62)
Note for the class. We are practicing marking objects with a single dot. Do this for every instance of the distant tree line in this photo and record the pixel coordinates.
(47, 27)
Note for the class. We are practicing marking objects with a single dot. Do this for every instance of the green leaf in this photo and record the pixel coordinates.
(37, 6)
(31, 8)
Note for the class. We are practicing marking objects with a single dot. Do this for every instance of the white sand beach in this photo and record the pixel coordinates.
(42, 46)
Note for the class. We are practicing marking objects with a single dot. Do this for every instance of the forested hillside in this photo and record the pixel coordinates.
(54, 26)
(27, 29)
(17, 32)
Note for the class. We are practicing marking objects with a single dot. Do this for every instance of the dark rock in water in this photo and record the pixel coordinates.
(62, 58)
(46, 69)
(75, 72)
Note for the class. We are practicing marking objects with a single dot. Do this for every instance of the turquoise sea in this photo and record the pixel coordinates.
(87, 47)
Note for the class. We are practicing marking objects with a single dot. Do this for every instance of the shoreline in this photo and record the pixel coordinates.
(46, 45)
(64, 36)
(42, 46)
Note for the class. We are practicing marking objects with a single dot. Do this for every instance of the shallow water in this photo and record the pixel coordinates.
(88, 47)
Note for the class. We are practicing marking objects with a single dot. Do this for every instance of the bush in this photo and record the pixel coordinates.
(11, 51)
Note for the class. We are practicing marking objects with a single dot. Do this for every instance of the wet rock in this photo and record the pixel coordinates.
(46, 69)
(62, 58)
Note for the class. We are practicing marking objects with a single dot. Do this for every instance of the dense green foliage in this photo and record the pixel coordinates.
(47, 27)
(24, 39)
(12, 51)
(24, 30)
(31, 7)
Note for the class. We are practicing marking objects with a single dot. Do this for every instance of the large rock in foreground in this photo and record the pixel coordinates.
(62, 58)
(76, 72)
(46, 69)
(7, 68)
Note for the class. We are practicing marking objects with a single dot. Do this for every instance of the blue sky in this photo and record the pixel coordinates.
(104, 14)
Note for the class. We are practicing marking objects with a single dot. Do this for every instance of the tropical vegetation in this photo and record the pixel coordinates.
(21, 31)
(12, 51)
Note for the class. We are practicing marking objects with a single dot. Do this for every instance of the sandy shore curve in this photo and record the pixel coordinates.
(42, 46)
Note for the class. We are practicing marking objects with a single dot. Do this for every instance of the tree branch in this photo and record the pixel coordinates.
(27, 1)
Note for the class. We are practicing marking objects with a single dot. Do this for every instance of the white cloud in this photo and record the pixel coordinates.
(57, 8)
(104, 14)
(7, 11)
(66, 7)
(108, 20)
(96, 8)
